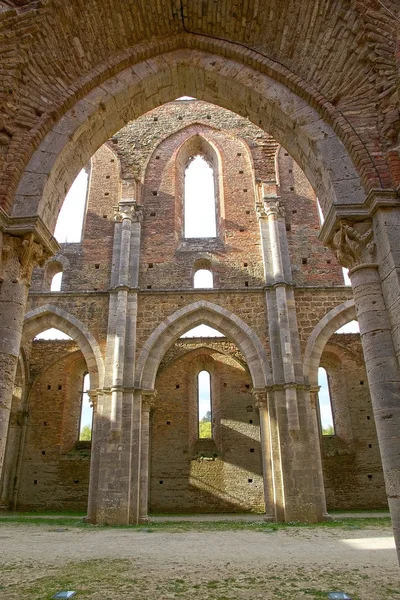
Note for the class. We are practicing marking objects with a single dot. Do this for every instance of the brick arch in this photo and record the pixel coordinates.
(47, 316)
(331, 322)
(195, 314)
(203, 130)
(203, 349)
(300, 126)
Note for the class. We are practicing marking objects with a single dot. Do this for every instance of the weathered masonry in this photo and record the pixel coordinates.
(130, 289)
(287, 105)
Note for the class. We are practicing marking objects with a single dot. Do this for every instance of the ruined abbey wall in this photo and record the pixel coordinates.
(147, 158)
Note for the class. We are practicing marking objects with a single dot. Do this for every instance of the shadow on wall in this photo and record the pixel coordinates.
(223, 474)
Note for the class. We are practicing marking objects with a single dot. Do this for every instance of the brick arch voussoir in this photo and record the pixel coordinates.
(196, 128)
(331, 322)
(198, 313)
(203, 350)
(305, 131)
(47, 316)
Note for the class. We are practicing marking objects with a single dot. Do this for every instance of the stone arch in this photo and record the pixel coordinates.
(191, 316)
(299, 125)
(56, 264)
(48, 316)
(203, 349)
(331, 322)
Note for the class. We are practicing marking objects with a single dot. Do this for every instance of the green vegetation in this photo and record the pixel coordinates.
(125, 579)
(328, 430)
(75, 520)
(86, 434)
(205, 430)
(128, 579)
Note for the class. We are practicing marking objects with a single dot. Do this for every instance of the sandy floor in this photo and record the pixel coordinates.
(364, 560)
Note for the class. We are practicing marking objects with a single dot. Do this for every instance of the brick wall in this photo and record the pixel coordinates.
(55, 474)
(154, 150)
(351, 460)
(199, 475)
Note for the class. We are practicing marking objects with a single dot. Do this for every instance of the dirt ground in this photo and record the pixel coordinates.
(110, 564)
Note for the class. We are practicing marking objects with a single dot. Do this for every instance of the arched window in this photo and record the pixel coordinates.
(199, 200)
(70, 220)
(203, 278)
(52, 334)
(204, 405)
(86, 418)
(55, 285)
(325, 404)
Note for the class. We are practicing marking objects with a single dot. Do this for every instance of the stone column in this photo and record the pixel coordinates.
(94, 459)
(262, 405)
(117, 485)
(311, 396)
(18, 256)
(124, 216)
(14, 434)
(148, 399)
(270, 210)
(297, 488)
(356, 249)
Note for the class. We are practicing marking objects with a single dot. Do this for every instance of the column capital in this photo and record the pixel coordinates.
(93, 398)
(261, 397)
(270, 207)
(20, 254)
(353, 243)
(314, 393)
(148, 399)
(128, 209)
(376, 200)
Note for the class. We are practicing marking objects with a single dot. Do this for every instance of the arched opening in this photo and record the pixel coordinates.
(204, 411)
(287, 109)
(199, 200)
(204, 405)
(325, 404)
(86, 416)
(202, 331)
(55, 285)
(61, 352)
(50, 437)
(203, 278)
(52, 334)
(349, 446)
(70, 220)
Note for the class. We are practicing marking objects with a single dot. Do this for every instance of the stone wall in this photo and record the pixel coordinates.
(55, 471)
(188, 474)
(351, 460)
(148, 158)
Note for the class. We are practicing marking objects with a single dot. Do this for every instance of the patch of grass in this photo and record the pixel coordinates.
(128, 579)
(73, 520)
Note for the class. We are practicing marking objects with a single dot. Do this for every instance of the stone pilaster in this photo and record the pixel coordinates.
(262, 405)
(270, 210)
(94, 457)
(355, 246)
(127, 216)
(294, 439)
(148, 399)
(18, 257)
(121, 403)
(312, 403)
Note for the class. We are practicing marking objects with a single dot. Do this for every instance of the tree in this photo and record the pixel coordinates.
(86, 434)
(204, 428)
(328, 430)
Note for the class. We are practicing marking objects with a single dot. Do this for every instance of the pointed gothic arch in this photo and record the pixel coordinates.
(331, 322)
(47, 316)
(304, 127)
(195, 314)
